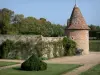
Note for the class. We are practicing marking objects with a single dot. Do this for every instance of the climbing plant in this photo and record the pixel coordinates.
(15, 50)
(69, 46)
(5, 48)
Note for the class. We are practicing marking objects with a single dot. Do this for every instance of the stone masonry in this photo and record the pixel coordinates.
(77, 29)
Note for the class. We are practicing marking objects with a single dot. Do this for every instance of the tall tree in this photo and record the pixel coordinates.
(6, 16)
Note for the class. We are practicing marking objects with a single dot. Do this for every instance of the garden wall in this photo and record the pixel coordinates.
(46, 47)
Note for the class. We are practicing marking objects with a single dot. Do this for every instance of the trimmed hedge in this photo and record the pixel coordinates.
(33, 63)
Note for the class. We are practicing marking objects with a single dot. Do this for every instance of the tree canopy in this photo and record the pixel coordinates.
(11, 23)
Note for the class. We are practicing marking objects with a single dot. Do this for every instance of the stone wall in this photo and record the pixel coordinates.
(50, 46)
(19, 37)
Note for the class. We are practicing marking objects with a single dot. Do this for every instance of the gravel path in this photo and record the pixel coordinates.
(87, 60)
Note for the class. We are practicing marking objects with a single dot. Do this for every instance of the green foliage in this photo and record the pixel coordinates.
(69, 46)
(98, 35)
(94, 27)
(40, 27)
(43, 58)
(15, 50)
(50, 49)
(58, 50)
(33, 63)
(11, 23)
(94, 45)
(95, 34)
(23, 49)
(5, 20)
(94, 31)
(57, 47)
(5, 48)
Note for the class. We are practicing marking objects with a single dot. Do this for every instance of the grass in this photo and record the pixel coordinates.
(94, 45)
(93, 71)
(53, 69)
(2, 63)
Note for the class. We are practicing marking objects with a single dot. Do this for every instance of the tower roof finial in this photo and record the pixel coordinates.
(75, 3)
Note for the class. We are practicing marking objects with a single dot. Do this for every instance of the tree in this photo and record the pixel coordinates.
(5, 21)
(11, 23)
(18, 18)
(28, 25)
(92, 27)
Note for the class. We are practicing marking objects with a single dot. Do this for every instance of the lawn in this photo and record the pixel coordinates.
(93, 71)
(94, 45)
(53, 69)
(2, 63)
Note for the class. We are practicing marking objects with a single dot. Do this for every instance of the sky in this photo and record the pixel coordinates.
(56, 11)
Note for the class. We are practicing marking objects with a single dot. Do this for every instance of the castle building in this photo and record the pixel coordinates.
(78, 30)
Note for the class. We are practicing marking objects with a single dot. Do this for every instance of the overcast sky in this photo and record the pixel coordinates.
(56, 11)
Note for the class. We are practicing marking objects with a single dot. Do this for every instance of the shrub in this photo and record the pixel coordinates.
(15, 50)
(5, 48)
(69, 46)
(33, 63)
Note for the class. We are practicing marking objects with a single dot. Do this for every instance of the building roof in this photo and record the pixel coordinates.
(76, 20)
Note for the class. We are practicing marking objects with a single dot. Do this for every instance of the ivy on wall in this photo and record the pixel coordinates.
(24, 49)
(15, 50)
(69, 46)
(50, 49)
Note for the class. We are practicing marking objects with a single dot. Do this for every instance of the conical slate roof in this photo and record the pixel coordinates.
(77, 20)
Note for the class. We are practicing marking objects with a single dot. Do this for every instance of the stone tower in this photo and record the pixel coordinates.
(78, 30)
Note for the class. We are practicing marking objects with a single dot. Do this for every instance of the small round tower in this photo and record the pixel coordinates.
(78, 30)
